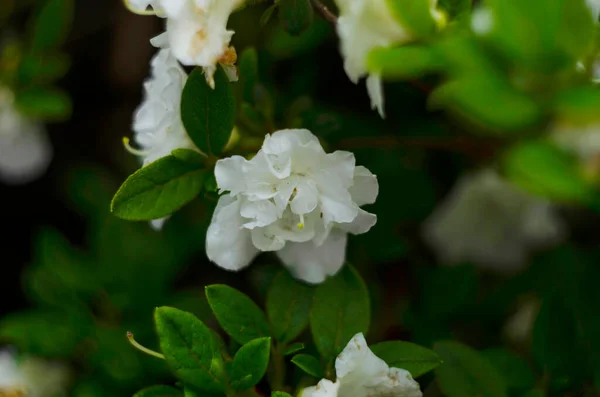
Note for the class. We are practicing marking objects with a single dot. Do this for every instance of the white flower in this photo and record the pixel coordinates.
(31, 377)
(360, 373)
(594, 6)
(25, 150)
(488, 221)
(197, 31)
(292, 198)
(581, 139)
(364, 25)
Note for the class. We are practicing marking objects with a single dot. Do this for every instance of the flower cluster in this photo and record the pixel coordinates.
(25, 150)
(361, 373)
(196, 32)
(292, 198)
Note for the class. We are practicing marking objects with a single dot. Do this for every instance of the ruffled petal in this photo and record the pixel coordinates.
(375, 91)
(306, 198)
(363, 222)
(230, 175)
(325, 388)
(365, 187)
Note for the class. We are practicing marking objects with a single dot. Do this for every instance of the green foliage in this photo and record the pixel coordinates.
(309, 364)
(517, 374)
(239, 316)
(158, 189)
(288, 306)
(52, 24)
(466, 372)
(43, 102)
(249, 364)
(415, 359)
(415, 15)
(295, 15)
(340, 310)
(208, 114)
(403, 63)
(159, 391)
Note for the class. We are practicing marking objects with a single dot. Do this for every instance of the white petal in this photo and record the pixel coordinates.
(338, 208)
(365, 187)
(363, 222)
(229, 174)
(45, 378)
(325, 388)
(375, 91)
(10, 375)
(313, 264)
(228, 244)
(357, 360)
(262, 212)
(231, 71)
(160, 41)
(306, 198)
(157, 224)
(265, 239)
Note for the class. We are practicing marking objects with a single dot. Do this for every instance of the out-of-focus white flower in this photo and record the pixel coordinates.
(362, 26)
(361, 373)
(32, 377)
(292, 198)
(482, 20)
(519, 326)
(488, 221)
(580, 139)
(594, 6)
(25, 150)
(196, 31)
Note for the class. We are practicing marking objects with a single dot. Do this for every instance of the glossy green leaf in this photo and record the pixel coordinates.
(466, 373)
(188, 156)
(288, 306)
(293, 348)
(51, 24)
(158, 189)
(309, 364)
(415, 359)
(190, 349)
(249, 364)
(239, 316)
(208, 114)
(295, 15)
(340, 310)
(159, 391)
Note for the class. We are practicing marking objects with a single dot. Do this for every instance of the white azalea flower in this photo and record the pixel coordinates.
(594, 6)
(488, 221)
(25, 150)
(360, 373)
(364, 25)
(292, 198)
(31, 377)
(196, 31)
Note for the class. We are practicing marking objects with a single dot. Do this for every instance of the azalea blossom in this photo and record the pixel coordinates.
(31, 377)
(488, 221)
(594, 6)
(25, 150)
(292, 198)
(360, 373)
(196, 31)
(364, 25)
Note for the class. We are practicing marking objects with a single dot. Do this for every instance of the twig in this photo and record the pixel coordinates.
(324, 12)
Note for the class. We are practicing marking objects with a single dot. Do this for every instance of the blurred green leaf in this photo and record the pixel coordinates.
(415, 359)
(188, 156)
(190, 349)
(159, 391)
(248, 66)
(295, 16)
(293, 348)
(51, 24)
(208, 114)
(43, 69)
(340, 310)
(457, 9)
(239, 316)
(44, 103)
(403, 63)
(288, 306)
(516, 372)
(578, 105)
(447, 290)
(267, 15)
(309, 364)
(280, 394)
(414, 15)
(283, 46)
(466, 373)
(158, 189)
(250, 364)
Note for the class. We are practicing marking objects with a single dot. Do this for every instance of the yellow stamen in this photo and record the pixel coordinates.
(142, 348)
(131, 149)
(300, 224)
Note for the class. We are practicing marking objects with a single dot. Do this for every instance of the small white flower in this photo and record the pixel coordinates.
(580, 139)
(594, 6)
(32, 377)
(196, 31)
(25, 150)
(364, 25)
(360, 373)
(292, 198)
(488, 221)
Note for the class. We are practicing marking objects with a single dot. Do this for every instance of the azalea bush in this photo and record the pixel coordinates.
(431, 233)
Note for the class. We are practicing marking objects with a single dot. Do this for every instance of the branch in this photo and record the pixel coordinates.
(324, 12)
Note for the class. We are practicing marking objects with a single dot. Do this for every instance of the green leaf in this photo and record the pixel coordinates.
(466, 373)
(340, 310)
(456, 8)
(208, 114)
(309, 364)
(188, 156)
(42, 69)
(250, 364)
(415, 359)
(288, 306)
(158, 189)
(44, 103)
(190, 349)
(159, 391)
(239, 316)
(543, 169)
(535, 393)
(51, 24)
(516, 372)
(414, 15)
(295, 16)
(267, 15)
(293, 348)
(403, 63)
(280, 394)
(578, 105)
(248, 66)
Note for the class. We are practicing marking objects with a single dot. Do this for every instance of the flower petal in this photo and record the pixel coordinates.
(157, 224)
(265, 239)
(375, 91)
(230, 176)
(306, 198)
(363, 222)
(325, 388)
(313, 264)
(365, 187)
(228, 244)
(263, 213)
